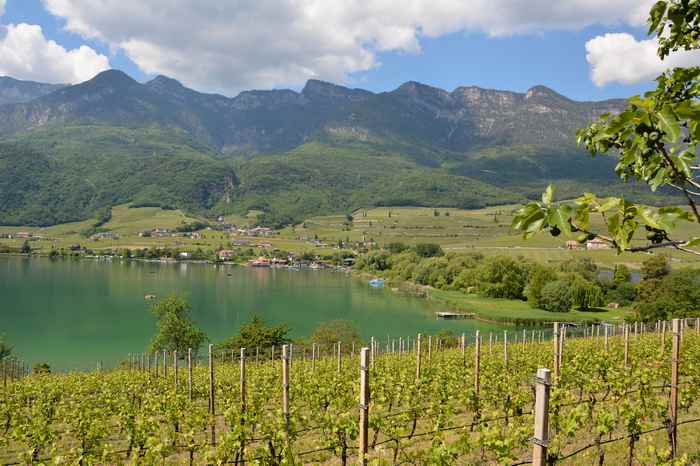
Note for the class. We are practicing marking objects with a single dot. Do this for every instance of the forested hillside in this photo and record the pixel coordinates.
(68, 151)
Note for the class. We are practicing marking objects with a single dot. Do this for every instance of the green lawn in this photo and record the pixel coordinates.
(505, 310)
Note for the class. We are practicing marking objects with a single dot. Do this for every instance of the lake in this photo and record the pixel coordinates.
(72, 313)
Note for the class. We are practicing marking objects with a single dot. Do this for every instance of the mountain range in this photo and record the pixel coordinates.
(68, 151)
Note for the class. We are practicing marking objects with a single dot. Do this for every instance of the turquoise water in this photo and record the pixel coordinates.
(73, 313)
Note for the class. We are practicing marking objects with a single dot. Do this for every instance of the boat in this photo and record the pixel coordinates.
(376, 282)
(149, 296)
(260, 262)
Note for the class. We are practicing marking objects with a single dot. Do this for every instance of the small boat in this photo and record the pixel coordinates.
(149, 296)
(261, 262)
(376, 282)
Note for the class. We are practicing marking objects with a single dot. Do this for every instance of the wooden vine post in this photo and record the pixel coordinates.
(477, 363)
(663, 337)
(212, 404)
(165, 364)
(505, 348)
(606, 338)
(541, 438)
(285, 392)
(175, 368)
(626, 331)
(673, 405)
(340, 363)
(418, 345)
(243, 401)
(430, 348)
(556, 350)
(189, 374)
(364, 402)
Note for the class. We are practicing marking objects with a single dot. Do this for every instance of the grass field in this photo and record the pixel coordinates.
(504, 310)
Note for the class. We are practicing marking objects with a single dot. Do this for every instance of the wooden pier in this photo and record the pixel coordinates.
(454, 315)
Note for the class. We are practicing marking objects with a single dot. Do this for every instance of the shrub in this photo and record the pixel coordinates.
(556, 296)
(429, 250)
(502, 277)
(538, 277)
(334, 331)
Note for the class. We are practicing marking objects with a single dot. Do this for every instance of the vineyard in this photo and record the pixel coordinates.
(615, 395)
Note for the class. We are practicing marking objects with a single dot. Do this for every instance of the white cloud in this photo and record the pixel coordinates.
(26, 54)
(619, 57)
(2, 7)
(229, 45)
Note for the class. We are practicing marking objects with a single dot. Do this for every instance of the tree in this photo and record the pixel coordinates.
(656, 140)
(655, 267)
(621, 275)
(538, 277)
(5, 349)
(556, 296)
(26, 247)
(429, 250)
(675, 295)
(334, 331)
(502, 277)
(176, 329)
(584, 294)
(257, 333)
(41, 368)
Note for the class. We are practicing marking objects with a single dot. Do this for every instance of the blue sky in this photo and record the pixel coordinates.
(233, 55)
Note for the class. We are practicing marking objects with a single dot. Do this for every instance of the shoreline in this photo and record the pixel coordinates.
(431, 294)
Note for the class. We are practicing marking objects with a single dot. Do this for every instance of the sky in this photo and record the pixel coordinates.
(584, 49)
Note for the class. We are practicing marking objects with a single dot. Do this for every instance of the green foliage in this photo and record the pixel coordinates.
(5, 348)
(41, 368)
(74, 173)
(596, 395)
(655, 267)
(257, 333)
(655, 139)
(375, 261)
(26, 247)
(621, 274)
(502, 277)
(396, 247)
(176, 329)
(676, 23)
(330, 333)
(556, 296)
(428, 250)
(585, 294)
(538, 276)
(675, 295)
(583, 266)
(623, 294)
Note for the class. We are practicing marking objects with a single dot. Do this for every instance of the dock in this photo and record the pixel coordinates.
(454, 315)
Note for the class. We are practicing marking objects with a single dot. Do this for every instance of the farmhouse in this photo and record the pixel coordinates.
(597, 244)
(225, 254)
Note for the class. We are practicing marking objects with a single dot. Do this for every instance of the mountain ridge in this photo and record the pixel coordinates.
(326, 148)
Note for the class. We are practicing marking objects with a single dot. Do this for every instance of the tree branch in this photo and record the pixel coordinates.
(680, 176)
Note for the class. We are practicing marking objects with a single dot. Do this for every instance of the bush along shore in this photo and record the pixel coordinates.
(515, 290)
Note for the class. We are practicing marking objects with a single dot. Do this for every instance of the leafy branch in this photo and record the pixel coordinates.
(655, 139)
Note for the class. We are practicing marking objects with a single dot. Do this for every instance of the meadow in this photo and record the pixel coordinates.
(484, 230)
